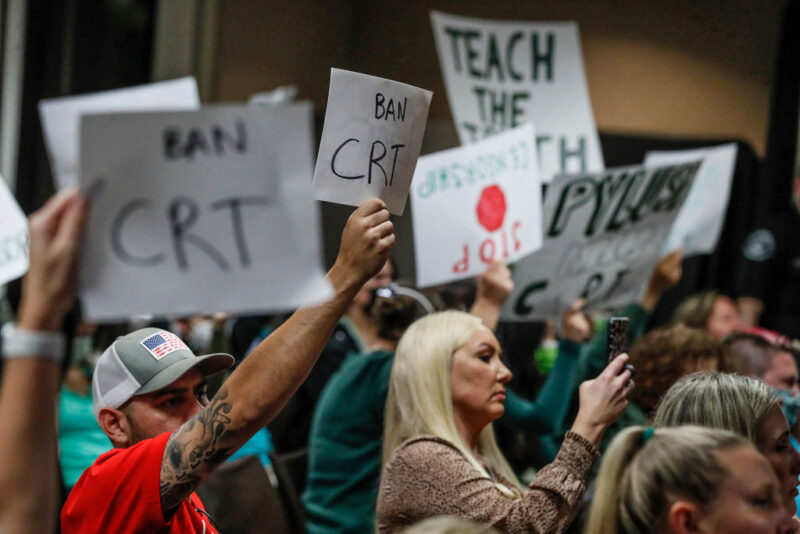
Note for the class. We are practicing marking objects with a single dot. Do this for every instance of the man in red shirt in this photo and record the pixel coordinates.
(149, 398)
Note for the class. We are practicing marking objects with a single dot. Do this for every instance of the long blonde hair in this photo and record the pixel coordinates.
(420, 398)
(717, 400)
(645, 470)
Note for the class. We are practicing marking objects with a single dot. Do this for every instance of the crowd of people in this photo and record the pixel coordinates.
(389, 399)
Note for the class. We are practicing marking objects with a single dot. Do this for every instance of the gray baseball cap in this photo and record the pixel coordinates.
(144, 361)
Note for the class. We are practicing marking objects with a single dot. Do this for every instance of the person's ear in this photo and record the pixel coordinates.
(684, 517)
(115, 425)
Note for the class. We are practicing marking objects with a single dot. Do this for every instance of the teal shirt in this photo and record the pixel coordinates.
(344, 461)
(80, 439)
(259, 445)
(545, 413)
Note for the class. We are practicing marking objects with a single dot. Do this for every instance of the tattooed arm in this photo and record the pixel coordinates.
(273, 371)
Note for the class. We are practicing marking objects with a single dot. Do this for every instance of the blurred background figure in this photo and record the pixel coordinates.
(710, 311)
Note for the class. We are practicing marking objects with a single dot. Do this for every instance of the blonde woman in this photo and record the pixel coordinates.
(685, 480)
(739, 404)
(440, 455)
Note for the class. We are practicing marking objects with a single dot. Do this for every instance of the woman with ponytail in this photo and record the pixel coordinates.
(739, 404)
(684, 480)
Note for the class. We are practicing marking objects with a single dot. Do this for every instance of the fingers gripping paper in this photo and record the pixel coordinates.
(371, 140)
(603, 234)
(200, 211)
(502, 74)
(475, 204)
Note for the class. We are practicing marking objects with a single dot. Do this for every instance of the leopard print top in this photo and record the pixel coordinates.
(428, 476)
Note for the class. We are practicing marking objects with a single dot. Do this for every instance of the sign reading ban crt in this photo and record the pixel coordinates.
(181, 221)
(371, 140)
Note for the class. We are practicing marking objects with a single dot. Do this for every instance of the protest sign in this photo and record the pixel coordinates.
(501, 74)
(13, 236)
(200, 211)
(61, 117)
(603, 234)
(371, 140)
(474, 204)
(699, 223)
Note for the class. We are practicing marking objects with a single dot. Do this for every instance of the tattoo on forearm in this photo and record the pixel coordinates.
(193, 451)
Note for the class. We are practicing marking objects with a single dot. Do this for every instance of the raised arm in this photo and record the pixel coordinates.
(666, 274)
(273, 371)
(494, 287)
(28, 469)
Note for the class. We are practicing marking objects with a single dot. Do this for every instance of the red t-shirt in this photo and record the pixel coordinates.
(120, 494)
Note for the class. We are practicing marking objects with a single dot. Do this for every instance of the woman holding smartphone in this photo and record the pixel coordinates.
(447, 386)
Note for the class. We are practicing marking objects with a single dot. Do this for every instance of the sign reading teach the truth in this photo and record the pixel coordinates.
(603, 234)
(371, 140)
(475, 204)
(200, 211)
(61, 117)
(502, 74)
(699, 224)
(13, 237)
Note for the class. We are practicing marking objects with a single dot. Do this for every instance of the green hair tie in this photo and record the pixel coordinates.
(647, 434)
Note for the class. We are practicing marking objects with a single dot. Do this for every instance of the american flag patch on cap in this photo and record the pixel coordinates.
(162, 344)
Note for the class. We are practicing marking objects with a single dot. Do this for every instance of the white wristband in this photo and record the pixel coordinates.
(32, 344)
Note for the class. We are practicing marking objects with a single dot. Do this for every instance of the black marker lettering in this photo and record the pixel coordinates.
(183, 213)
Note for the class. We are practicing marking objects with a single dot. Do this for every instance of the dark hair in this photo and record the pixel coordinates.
(394, 312)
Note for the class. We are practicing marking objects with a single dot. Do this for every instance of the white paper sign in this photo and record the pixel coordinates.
(501, 74)
(200, 211)
(699, 223)
(61, 117)
(13, 236)
(371, 140)
(603, 234)
(474, 204)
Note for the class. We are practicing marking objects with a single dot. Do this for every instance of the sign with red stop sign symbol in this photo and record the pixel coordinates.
(476, 204)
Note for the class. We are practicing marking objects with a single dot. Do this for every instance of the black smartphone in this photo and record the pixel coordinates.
(618, 336)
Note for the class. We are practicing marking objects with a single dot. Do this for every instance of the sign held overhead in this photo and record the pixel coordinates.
(475, 204)
(371, 140)
(192, 213)
(603, 234)
(501, 74)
